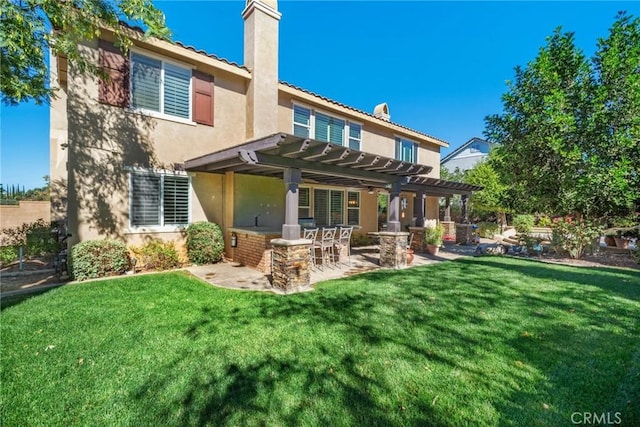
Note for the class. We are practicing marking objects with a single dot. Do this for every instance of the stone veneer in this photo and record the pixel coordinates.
(291, 265)
(464, 233)
(417, 244)
(449, 230)
(393, 249)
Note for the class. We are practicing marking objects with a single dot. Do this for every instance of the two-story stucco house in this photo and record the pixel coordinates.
(177, 135)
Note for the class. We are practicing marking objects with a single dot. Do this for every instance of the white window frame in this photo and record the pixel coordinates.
(346, 137)
(354, 208)
(308, 206)
(160, 227)
(398, 153)
(161, 114)
(345, 200)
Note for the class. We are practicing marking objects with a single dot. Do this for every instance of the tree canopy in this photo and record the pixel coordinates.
(569, 135)
(30, 28)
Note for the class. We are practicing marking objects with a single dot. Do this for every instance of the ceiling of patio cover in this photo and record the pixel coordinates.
(324, 163)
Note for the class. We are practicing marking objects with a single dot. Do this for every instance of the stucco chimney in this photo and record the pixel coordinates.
(381, 111)
(261, 20)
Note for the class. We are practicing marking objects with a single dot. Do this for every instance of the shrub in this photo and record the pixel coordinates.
(361, 240)
(99, 258)
(205, 244)
(523, 223)
(488, 229)
(37, 238)
(157, 255)
(544, 221)
(8, 254)
(433, 235)
(573, 236)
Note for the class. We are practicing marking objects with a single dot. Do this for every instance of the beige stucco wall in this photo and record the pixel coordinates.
(257, 195)
(27, 211)
(104, 142)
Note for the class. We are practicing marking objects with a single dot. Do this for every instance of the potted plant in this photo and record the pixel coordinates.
(433, 238)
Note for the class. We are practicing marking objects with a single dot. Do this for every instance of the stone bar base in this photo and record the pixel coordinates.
(449, 230)
(417, 244)
(464, 233)
(291, 270)
(393, 249)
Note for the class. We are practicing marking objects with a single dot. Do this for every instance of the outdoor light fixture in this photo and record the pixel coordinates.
(234, 240)
(370, 190)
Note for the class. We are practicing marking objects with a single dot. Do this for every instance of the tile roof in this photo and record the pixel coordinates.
(209, 55)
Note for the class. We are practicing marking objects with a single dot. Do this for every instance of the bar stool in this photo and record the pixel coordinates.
(311, 234)
(327, 237)
(344, 241)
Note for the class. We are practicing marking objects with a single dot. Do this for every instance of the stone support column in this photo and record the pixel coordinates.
(464, 233)
(291, 228)
(418, 239)
(393, 249)
(291, 271)
(393, 218)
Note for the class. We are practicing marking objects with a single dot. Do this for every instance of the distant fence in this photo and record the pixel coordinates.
(26, 211)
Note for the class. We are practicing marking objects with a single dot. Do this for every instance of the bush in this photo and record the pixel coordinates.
(523, 223)
(205, 244)
(99, 258)
(8, 254)
(544, 221)
(37, 238)
(488, 229)
(157, 255)
(573, 236)
(358, 240)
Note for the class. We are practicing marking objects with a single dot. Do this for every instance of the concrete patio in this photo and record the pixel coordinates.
(363, 259)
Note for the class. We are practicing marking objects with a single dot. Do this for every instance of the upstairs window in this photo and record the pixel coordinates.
(159, 86)
(301, 121)
(406, 150)
(155, 86)
(329, 129)
(159, 199)
(308, 123)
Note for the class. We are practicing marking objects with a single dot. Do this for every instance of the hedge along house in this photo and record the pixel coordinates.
(177, 135)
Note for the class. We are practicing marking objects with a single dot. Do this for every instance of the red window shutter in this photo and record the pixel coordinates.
(114, 91)
(202, 98)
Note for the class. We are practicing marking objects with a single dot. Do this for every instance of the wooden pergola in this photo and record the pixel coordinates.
(295, 159)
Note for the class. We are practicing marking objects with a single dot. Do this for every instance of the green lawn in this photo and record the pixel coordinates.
(479, 341)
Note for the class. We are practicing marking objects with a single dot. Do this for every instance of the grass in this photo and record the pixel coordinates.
(482, 341)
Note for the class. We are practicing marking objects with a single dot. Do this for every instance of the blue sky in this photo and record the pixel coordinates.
(440, 66)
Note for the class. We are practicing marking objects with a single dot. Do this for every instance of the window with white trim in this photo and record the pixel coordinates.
(308, 123)
(328, 206)
(353, 208)
(406, 150)
(355, 136)
(159, 199)
(304, 202)
(160, 86)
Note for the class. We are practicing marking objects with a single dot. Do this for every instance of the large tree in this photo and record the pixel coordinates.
(29, 28)
(568, 136)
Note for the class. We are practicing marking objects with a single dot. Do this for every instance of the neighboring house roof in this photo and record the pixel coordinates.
(463, 147)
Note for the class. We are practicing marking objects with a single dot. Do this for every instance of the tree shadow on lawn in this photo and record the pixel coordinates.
(623, 282)
(438, 317)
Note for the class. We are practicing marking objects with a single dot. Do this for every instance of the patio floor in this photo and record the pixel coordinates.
(236, 276)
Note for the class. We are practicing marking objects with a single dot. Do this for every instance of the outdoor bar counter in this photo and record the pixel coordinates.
(253, 246)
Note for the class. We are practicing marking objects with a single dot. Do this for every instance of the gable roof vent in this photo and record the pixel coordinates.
(382, 111)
